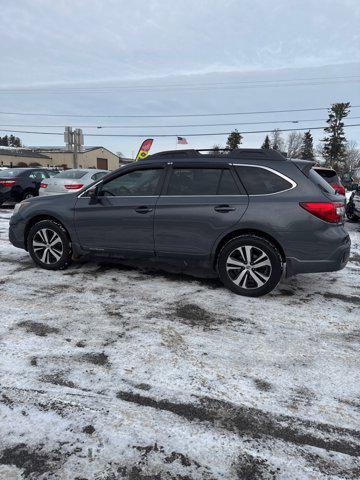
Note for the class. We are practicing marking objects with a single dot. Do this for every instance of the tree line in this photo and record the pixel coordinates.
(334, 151)
(10, 141)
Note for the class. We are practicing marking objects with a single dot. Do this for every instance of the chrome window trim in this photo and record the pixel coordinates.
(292, 183)
(89, 187)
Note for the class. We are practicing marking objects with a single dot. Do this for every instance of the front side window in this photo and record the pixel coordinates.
(136, 183)
(201, 181)
(260, 181)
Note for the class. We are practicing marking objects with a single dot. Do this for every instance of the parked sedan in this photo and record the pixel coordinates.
(18, 184)
(70, 181)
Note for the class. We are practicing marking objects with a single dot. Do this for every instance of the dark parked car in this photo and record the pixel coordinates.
(18, 184)
(248, 216)
(332, 178)
(353, 205)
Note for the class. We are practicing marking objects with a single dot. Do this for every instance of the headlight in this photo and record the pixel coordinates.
(20, 206)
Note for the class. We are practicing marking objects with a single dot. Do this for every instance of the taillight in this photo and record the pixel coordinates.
(7, 183)
(340, 189)
(332, 212)
(73, 186)
(43, 185)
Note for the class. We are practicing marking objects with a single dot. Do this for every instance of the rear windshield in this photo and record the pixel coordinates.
(320, 182)
(329, 175)
(10, 173)
(74, 174)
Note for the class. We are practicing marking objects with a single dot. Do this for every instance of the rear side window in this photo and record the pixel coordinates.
(73, 174)
(201, 181)
(260, 181)
(320, 182)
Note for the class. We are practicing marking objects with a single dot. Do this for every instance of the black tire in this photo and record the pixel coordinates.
(254, 280)
(49, 232)
(28, 194)
(352, 217)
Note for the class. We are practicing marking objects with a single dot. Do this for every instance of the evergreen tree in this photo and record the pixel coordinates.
(307, 150)
(334, 149)
(11, 141)
(4, 141)
(234, 140)
(266, 145)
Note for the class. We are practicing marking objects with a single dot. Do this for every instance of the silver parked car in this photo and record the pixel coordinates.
(70, 181)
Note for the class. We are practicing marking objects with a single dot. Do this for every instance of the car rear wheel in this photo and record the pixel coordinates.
(250, 265)
(49, 245)
(28, 195)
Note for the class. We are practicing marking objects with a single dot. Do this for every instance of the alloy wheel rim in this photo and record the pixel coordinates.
(47, 246)
(248, 267)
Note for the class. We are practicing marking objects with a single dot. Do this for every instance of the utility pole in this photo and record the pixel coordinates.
(74, 140)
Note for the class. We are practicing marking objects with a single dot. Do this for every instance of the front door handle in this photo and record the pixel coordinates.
(143, 209)
(224, 208)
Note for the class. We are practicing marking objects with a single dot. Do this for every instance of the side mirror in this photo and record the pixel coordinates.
(93, 195)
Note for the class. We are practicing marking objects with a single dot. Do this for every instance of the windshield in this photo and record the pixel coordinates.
(320, 182)
(74, 174)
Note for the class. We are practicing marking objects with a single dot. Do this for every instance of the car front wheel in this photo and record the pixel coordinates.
(250, 265)
(49, 245)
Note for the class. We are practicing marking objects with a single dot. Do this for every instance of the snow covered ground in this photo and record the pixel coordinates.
(109, 372)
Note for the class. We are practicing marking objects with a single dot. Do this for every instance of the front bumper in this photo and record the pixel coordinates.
(17, 233)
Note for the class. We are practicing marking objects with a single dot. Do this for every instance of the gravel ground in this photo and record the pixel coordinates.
(109, 372)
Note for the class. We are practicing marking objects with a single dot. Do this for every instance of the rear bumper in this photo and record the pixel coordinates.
(337, 260)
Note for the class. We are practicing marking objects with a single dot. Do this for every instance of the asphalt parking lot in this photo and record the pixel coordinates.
(110, 372)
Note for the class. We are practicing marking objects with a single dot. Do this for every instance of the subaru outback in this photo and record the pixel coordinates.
(249, 216)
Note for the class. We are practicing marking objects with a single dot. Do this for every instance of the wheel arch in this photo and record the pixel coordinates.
(39, 218)
(247, 231)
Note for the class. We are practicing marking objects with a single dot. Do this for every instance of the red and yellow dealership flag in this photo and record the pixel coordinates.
(144, 149)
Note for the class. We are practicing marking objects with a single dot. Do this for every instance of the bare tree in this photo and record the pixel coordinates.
(352, 159)
(277, 141)
(294, 145)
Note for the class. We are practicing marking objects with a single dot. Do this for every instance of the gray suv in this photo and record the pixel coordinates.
(248, 216)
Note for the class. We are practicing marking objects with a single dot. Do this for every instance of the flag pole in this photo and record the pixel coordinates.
(176, 144)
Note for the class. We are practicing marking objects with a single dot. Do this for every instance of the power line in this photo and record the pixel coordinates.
(169, 116)
(176, 126)
(206, 134)
(145, 89)
(187, 85)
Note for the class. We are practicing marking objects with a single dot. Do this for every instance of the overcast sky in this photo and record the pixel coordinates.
(92, 57)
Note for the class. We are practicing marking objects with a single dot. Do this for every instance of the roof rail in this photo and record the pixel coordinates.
(239, 153)
(176, 153)
(256, 153)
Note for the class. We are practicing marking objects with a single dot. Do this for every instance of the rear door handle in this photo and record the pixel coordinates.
(224, 208)
(143, 209)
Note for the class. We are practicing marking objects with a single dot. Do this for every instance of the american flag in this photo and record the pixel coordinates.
(181, 141)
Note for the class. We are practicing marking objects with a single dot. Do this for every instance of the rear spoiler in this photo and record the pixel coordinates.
(304, 165)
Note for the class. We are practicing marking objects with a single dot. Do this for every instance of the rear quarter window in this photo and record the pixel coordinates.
(261, 181)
